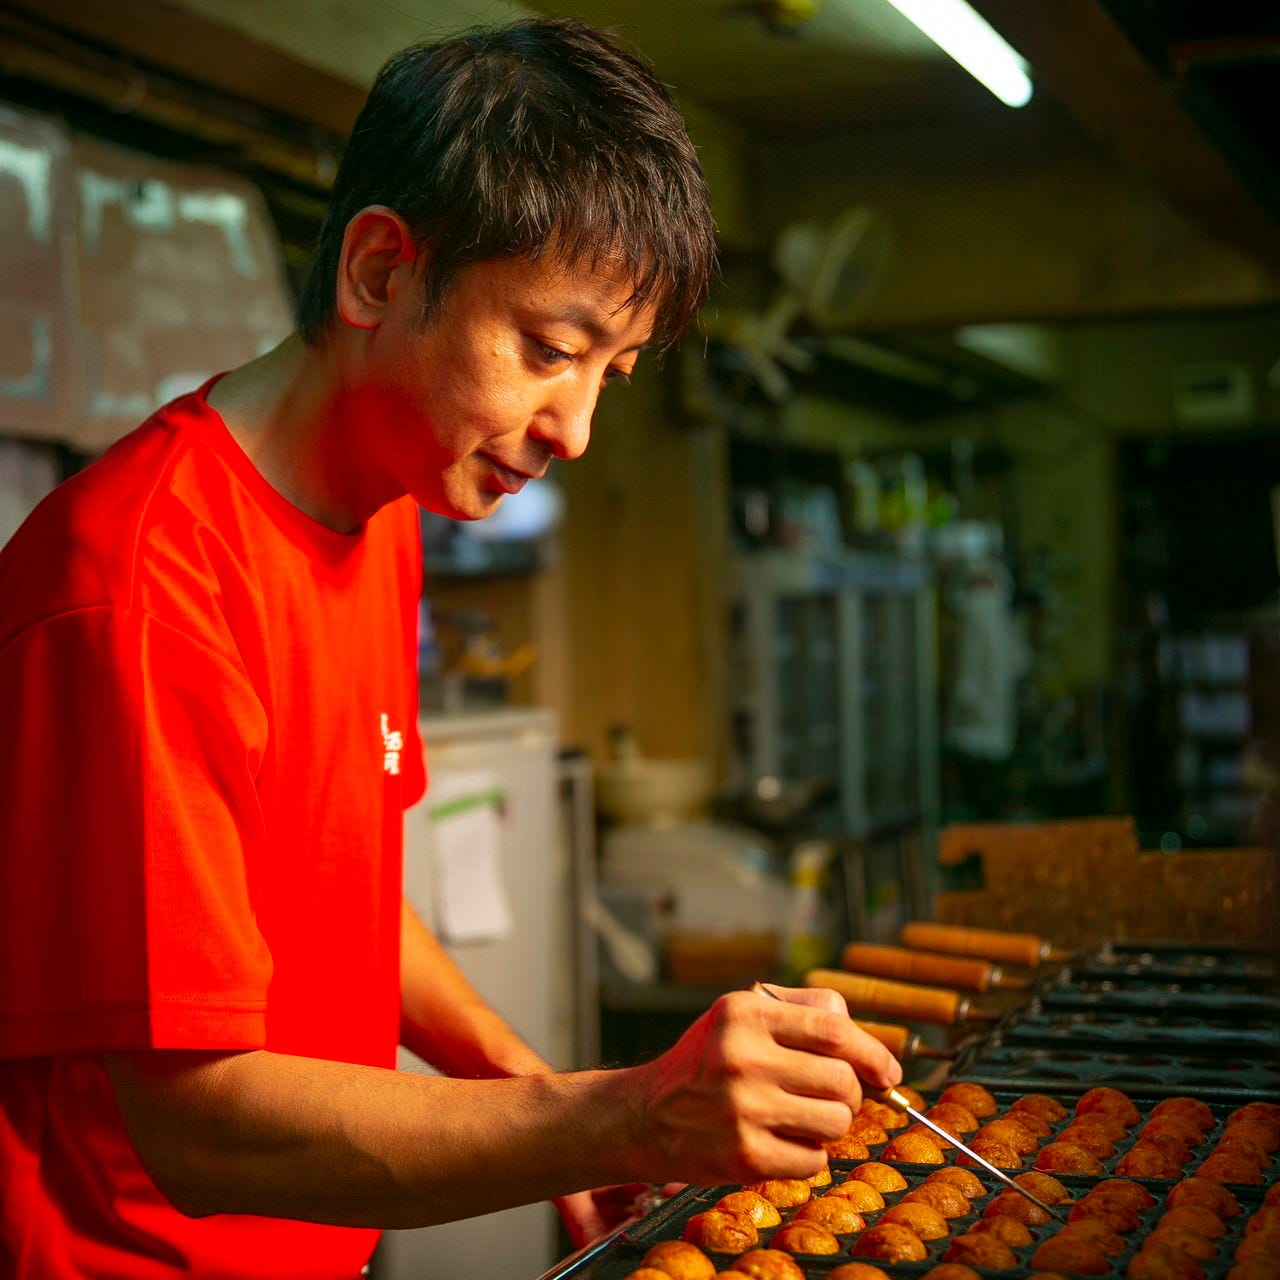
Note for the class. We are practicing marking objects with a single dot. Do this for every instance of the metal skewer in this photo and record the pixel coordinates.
(893, 1098)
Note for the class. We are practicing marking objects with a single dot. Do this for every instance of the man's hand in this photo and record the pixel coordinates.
(588, 1215)
(755, 1087)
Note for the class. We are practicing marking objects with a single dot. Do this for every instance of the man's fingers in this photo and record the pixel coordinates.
(816, 1020)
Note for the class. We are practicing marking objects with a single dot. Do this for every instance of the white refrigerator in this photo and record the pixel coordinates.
(487, 868)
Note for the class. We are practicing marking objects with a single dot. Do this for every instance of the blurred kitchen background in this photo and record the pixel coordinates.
(960, 506)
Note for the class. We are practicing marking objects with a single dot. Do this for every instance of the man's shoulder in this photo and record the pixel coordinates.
(94, 540)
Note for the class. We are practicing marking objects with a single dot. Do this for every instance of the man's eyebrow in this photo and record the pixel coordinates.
(589, 323)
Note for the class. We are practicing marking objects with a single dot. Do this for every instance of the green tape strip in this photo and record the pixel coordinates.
(494, 797)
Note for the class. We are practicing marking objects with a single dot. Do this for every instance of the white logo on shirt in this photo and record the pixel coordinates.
(392, 746)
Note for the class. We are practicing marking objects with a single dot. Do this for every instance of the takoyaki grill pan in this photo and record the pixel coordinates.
(1154, 1017)
(616, 1258)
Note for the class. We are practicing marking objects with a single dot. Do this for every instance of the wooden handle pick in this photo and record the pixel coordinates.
(987, 944)
(875, 997)
(930, 968)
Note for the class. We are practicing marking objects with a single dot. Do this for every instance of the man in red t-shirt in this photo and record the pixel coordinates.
(207, 671)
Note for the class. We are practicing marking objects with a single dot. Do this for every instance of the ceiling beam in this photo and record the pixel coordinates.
(185, 44)
(1080, 56)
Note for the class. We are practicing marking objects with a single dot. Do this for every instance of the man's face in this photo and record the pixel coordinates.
(501, 380)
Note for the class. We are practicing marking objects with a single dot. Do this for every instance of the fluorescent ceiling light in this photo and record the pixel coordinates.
(957, 30)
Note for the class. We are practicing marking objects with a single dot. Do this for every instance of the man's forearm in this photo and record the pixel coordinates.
(281, 1136)
(445, 1021)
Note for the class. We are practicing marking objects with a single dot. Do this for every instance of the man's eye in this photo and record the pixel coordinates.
(549, 355)
(617, 378)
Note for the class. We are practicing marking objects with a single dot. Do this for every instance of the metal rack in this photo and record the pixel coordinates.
(835, 673)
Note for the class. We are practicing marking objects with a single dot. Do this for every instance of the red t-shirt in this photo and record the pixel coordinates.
(209, 737)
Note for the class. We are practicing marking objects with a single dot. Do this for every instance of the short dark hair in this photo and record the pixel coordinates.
(512, 141)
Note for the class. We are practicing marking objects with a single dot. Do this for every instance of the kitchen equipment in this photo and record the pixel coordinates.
(524, 972)
(617, 1256)
(880, 998)
(959, 972)
(989, 944)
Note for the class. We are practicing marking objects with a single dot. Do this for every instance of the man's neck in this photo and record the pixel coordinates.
(282, 411)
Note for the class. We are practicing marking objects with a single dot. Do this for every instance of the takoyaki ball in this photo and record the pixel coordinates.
(1043, 1105)
(1194, 1217)
(953, 1117)
(1257, 1131)
(1189, 1242)
(1009, 1129)
(786, 1193)
(1110, 1102)
(849, 1147)
(942, 1197)
(1029, 1120)
(1167, 1143)
(820, 1179)
(1005, 1229)
(648, 1273)
(1134, 1194)
(721, 1231)
(993, 1151)
(1206, 1193)
(914, 1148)
(1145, 1160)
(1075, 1254)
(964, 1180)
(1181, 1128)
(1256, 1269)
(942, 1143)
(980, 1251)
(1110, 1242)
(1091, 1138)
(1234, 1142)
(733, 1274)
(1113, 1214)
(1230, 1166)
(949, 1271)
(769, 1264)
(925, 1221)
(837, 1215)
(892, 1242)
(861, 1196)
(805, 1237)
(1265, 1219)
(972, 1097)
(1044, 1187)
(914, 1098)
(868, 1130)
(1262, 1112)
(1262, 1244)
(751, 1205)
(1163, 1265)
(885, 1116)
(1067, 1157)
(1103, 1122)
(1271, 1199)
(875, 1173)
(679, 1260)
(1016, 1206)
(1199, 1113)
(856, 1271)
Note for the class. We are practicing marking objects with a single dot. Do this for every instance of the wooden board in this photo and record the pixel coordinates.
(1080, 882)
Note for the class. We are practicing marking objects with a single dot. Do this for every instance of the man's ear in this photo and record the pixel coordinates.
(379, 257)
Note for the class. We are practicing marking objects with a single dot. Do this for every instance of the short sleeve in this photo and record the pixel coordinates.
(126, 916)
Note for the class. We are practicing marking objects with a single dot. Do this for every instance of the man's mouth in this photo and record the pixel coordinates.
(509, 479)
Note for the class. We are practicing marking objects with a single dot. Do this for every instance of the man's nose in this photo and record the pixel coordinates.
(566, 423)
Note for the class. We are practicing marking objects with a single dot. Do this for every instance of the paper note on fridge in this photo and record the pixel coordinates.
(466, 819)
